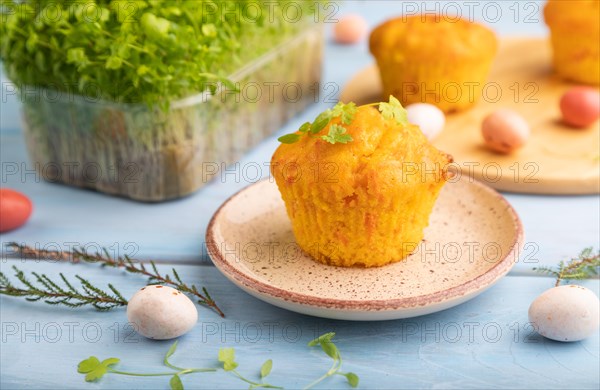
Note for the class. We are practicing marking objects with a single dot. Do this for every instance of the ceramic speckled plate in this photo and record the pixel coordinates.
(555, 160)
(474, 239)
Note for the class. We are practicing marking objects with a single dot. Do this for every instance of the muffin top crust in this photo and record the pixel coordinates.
(429, 37)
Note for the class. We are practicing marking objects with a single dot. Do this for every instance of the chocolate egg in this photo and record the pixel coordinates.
(505, 131)
(15, 209)
(161, 312)
(565, 313)
(350, 29)
(580, 106)
(428, 117)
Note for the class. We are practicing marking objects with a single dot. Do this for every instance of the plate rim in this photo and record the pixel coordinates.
(477, 284)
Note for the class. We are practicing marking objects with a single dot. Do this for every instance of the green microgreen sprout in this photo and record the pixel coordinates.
(94, 369)
(584, 266)
(333, 352)
(227, 357)
(143, 51)
(338, 133)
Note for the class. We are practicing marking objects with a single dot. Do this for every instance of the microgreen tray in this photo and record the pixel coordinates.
(153, 155)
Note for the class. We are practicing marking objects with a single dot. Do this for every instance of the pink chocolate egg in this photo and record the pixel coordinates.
(580, 106)
(505, 131)
(350, 29)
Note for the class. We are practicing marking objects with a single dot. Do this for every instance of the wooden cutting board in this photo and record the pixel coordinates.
(556, 160)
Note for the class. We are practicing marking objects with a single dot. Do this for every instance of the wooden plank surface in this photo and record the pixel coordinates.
(423, 352)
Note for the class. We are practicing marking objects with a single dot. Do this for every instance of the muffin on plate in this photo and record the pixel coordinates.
(575, 37)
(432, 59)
(365, 199)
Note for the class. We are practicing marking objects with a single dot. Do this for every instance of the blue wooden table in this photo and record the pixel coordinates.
(484, 343)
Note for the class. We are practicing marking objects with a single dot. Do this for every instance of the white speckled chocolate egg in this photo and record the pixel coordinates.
(161, 312)
(566, 313)
(428, 117)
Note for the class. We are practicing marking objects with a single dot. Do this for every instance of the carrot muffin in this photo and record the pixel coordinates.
(359, 187)
(575, 37)
(431, 59)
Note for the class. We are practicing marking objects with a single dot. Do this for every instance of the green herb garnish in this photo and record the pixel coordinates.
(135, 51)
(51, 293)
(345, 111)
(266, 368)
(333, 352)
(291, 138)
(336, 135)
(338, 132)
(394, 110)
(94, 369)
(227, 357)
(584, 266)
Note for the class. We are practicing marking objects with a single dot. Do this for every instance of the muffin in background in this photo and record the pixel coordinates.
(363, 203)
(575, 37)
(432, 59)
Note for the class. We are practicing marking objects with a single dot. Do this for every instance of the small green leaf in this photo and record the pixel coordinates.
(162, 26)
(110, 362)
(321, 121)
(209, 30)
(88, 365)
(394, 110)
(171, 350)
(176, 383)
(338, 109)
(77, 56)
(305, 128)
(352, 379)
(96, 374)
(104, 14)
(113, 62)
(227, 357)
(345, 111)
(31, 42)
(266, 368)
(289, 138)
(324, 337)
(40, 61)
(153, 26)
(348, 114)
(123, 51)
(386, 110)
(142, 70)
(330, 349)
(337, 134)
(94, 369)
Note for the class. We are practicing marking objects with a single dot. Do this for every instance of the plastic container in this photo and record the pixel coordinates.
(154, 155)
